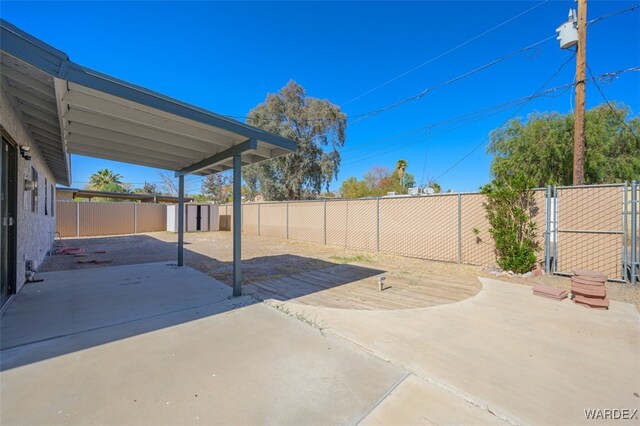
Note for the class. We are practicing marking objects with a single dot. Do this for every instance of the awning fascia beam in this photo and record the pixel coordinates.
(248, 145)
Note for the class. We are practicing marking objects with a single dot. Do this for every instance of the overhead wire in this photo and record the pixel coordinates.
(501, 106)
(487, 65)
(365, 115)
(615, 113)
(453, 49)
(484, 141)
(422, 93)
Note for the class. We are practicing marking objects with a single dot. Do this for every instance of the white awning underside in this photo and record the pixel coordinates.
(98, 124)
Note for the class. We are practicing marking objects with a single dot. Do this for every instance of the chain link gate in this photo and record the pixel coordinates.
(590, 227)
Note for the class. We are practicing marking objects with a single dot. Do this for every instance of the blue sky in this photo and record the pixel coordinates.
(227, 56)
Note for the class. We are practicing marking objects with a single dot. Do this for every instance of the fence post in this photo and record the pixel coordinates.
(556, 209)
(325, 222)
(625, 213)
(634, 231)
(547, 231)
(286, 226)
(378, 225)
(259, 219)
(135, 218)
(459, 228)
(77, 219)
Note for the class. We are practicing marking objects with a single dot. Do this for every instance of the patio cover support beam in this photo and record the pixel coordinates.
(237, 225)
(181, 220)
(236, 150)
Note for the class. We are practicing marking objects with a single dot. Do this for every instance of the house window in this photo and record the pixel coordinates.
(34, 192)
(46, 197)
(53, 201)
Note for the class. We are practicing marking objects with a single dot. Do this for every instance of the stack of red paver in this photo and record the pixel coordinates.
(550, 292)
(587, 288)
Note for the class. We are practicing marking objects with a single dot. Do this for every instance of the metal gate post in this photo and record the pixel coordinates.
(459, 228)
(547, 231)
(555, 221)
(634, 231)
(625, 213)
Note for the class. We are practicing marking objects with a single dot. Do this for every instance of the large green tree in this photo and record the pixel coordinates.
(319, 128)
(542, 147)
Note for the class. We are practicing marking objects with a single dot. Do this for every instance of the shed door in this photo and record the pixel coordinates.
(203, 218)
(192, 218)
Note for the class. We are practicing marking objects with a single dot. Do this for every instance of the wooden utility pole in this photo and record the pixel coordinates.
(578, 128)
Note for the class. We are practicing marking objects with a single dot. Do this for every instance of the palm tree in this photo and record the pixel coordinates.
(401, 165)
(104, 178)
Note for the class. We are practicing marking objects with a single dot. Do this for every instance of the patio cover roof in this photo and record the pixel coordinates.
(70, 109)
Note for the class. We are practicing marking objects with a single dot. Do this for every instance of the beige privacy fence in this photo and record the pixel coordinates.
(437, 227)
(578, 227)
(90, 219)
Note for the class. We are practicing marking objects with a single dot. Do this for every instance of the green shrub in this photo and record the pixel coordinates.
(510, 206)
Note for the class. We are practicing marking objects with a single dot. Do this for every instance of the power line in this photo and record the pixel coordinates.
(369, 114)
(612, 74)
(600, 18)
(450, 81)
(615, 113)
(365, 115)
(485, 140)
(443, 54)
(503, 106)
(415, 141)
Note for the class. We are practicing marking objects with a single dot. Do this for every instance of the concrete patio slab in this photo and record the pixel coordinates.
(418, 402)
(528, 360)
(74, 301)
(226, 362)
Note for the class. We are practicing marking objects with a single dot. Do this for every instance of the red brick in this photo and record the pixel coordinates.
(585, 281)
(550, 291)
(599, 292)
(592, 302)
(593, 274)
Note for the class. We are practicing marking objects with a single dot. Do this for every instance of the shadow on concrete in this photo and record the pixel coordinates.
(81, 306)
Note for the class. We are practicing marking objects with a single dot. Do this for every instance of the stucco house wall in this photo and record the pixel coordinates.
(35, 230)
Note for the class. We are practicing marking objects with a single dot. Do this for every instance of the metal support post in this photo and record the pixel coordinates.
(547, 231)
(237, 225)
(634, 232)
(181, 220)
(625, 224)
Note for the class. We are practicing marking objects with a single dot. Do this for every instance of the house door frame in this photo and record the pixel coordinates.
(8, 217)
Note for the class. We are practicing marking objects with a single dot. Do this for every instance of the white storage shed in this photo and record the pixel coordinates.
(199, 217)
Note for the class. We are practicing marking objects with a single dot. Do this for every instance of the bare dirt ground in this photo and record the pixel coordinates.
(267, 258)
